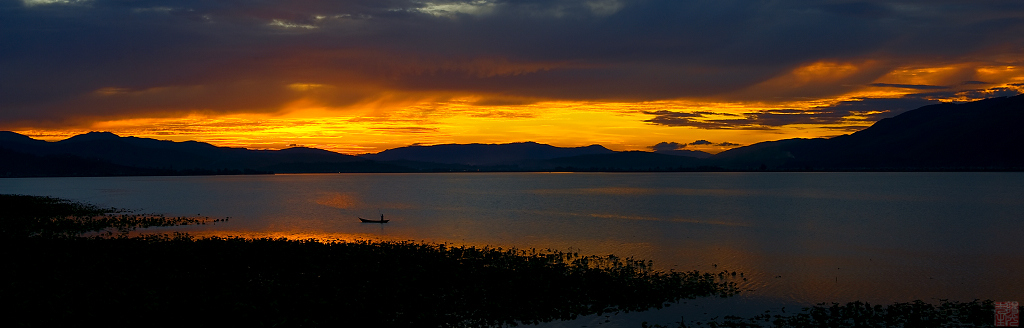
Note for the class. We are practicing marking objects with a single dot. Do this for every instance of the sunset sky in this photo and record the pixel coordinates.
(360, 76)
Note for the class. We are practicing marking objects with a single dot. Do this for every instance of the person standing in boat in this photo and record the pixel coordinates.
(382, 217)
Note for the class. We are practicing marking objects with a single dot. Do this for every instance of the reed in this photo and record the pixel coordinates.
(62, 279)
(976, 313)
(23, 216)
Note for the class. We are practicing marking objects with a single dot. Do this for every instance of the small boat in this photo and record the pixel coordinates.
(382, 220)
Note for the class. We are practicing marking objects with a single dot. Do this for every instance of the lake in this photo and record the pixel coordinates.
(798, 238)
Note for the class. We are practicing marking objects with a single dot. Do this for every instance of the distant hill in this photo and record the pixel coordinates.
(975, 136)
(483, 154)
(684, 153)
(16, 164)
(531, 156)
(624, 161)
(104, 153)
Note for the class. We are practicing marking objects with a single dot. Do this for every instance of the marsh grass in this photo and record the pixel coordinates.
(918, 313)
(23, 216)
(59, 278)
(269, 282)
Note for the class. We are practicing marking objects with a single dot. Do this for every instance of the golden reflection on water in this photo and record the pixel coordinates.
(290, 235)
(337, 200)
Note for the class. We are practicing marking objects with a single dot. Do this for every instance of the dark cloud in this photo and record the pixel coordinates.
(763, 120)
(863, 110)
(770, 119)
(697, 120)
(875, 108)
(669, 146)
(970, 94)
(665, 146)
(862, 9)
(909, 86)
(169, 57)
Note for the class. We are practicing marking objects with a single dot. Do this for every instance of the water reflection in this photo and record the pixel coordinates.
(337, 200)
(802, 237)
(641, 218)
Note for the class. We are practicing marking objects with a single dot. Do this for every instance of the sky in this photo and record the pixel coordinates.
(362, 76)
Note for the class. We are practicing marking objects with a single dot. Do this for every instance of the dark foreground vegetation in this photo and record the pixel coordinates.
(54, 277)
(47, 217)
(859, 314)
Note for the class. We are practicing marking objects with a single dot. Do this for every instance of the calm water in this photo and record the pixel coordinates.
(799, 238)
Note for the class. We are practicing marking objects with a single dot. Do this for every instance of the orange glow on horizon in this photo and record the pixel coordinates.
(618, 126)
(394, 119)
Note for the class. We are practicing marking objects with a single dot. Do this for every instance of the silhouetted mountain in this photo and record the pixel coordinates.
(8, 136)
(980, 135)
(416, 166)
(685, 153)
(143, 156)
(483, 154)
(16, 164)
(624, 161)
(97, 135)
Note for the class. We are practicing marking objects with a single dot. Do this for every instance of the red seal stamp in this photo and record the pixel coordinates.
(1007, 314)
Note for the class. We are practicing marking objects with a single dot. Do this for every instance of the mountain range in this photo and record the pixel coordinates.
(104, 153)
(976, 136)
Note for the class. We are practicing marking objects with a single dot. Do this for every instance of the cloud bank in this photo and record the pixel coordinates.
(66, 61)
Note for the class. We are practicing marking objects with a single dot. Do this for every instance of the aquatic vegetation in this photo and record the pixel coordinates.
(276, 281)
(186, 281)
(859, 314)
(23, 216)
